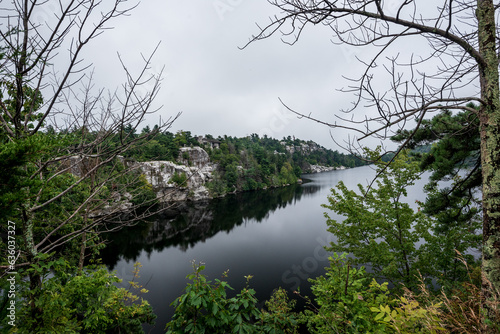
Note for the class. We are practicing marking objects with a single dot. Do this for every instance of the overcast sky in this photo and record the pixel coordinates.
(221, 89)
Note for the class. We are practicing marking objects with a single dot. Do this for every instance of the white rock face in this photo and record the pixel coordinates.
(160, 173)
(304, 148)
(319, 169)
(193, 156)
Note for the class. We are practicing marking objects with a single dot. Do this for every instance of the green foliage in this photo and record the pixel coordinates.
(458, 311)
(344, 299)
(410, 317)
(254, 163)
(287, 175)
(32, 100)
(142, 191)
(217, 186)
(231, 175)
(17, 162)
(279, 317)
(205, 307)
(379, 228)
(61, 188)
(247, 163)
(179, 179)
(185, 156)
(453, 156)
(83, 302)
(46, 194)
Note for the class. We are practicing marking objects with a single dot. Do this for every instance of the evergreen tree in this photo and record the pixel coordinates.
(453, 158)
(60, 187)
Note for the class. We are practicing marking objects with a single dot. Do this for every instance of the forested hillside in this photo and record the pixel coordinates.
(246, 163)
(75, 164)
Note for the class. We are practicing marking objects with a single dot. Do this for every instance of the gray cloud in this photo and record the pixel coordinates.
(224, 90)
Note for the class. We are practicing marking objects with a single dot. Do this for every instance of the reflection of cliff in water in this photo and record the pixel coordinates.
(313, 185)
(192, 222)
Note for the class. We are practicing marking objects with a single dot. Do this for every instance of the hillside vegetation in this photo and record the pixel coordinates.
(246, 163)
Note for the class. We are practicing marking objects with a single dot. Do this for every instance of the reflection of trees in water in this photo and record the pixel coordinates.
(191, 222)
(311, 187)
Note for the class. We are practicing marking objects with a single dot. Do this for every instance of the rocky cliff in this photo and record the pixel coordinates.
(186, 179)
(194, 169)
(182, 180)
(319, 169)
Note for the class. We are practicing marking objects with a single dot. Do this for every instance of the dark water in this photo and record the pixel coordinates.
(276, 235)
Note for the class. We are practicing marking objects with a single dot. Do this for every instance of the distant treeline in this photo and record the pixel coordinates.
(246, 163)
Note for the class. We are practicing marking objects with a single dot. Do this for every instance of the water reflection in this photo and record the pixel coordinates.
(190, 223)
(275, 235)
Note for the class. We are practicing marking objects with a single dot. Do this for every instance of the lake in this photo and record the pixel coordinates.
(276, 235)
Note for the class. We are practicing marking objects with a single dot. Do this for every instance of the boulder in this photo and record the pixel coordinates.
(193, 156)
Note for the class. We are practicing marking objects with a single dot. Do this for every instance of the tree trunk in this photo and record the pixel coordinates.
(34, 277)
(83, 247)
(489, 115)
(35, 289)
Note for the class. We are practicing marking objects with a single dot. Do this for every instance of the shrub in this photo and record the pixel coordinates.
(179, 179)
(343, 300)
(86, 302)
(206, 308)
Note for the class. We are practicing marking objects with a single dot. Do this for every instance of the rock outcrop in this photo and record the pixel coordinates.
(193, 156)
(196, 169)
(319, 169)
(172, 181)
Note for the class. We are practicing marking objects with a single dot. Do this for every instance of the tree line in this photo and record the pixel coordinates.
(52, 218)
(424, 262)
(246, 163)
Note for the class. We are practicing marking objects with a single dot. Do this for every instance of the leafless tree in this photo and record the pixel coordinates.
(63, 140)
(457, 64)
